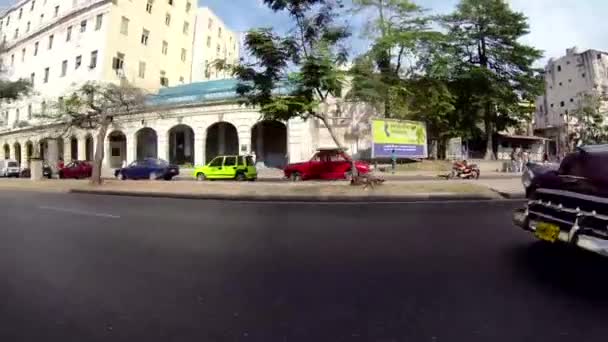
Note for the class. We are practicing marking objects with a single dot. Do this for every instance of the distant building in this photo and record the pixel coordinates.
(213, 40)
(59, 44)
(566, 79)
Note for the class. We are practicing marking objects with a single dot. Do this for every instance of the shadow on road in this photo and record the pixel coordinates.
(564, 269)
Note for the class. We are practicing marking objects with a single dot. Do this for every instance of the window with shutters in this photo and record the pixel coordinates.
(124, 26)
(145, 34)
(142, 70)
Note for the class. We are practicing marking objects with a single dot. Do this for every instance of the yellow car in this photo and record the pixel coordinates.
(240, 168)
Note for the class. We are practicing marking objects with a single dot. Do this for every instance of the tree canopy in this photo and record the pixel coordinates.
(295, 74)
(453, 72)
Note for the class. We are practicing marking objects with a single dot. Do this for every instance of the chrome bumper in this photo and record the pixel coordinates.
(575, 237)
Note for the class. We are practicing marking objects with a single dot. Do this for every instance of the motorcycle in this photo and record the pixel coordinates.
(464, 170)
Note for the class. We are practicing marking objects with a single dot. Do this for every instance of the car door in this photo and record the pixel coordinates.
(316, 166)
(75, 169)
(324, 169)
(134, 170)
(214, 168)
(250, 167)
(150, 166)
(337, 166)
(229, 169)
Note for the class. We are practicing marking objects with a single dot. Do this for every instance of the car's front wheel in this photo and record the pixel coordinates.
(240, 177)
(123, 176)
(201, 177)
(295, 177)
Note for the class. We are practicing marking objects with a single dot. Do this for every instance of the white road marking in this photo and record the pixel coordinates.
(79, 212)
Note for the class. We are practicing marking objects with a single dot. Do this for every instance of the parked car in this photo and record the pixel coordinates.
(76, 169)
(240, 168)
(531, 172)
(328, 164)
(149, 169)
(569, 204)
(47, 172)
(9, 168)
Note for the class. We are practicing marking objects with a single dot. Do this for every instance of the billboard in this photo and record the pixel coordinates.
(406, 138)
(454, 149)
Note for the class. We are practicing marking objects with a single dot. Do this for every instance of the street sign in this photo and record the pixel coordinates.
(454, 148)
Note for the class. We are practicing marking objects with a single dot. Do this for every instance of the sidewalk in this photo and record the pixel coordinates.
(284, 191)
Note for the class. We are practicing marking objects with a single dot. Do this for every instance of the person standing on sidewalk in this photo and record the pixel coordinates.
(394, 160)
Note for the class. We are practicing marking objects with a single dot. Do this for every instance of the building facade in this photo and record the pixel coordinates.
(190, 125)
(59, 44)
(566, 80)
(213, 41)
(161, 46)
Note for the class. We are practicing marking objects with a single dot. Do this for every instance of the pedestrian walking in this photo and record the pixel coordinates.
(394, 160)
(520, 159)
(513, 160)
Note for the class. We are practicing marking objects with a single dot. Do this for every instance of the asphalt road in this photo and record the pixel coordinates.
(87, 268)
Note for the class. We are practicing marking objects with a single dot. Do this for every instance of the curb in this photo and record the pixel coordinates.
(280, 198)
(511, 195)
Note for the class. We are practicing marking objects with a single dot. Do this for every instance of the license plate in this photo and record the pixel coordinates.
(547, 231)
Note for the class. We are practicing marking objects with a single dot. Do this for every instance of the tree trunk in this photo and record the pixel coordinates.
(99, 153)
(339, 145)
(489, 128)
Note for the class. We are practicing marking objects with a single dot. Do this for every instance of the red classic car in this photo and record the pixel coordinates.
(328, 164)
(76, 169)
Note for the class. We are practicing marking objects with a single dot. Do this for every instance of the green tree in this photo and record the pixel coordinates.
(402, 46)
(94, 106)
(484, 36)
(11, 90)
(590, 117)
(299, 73)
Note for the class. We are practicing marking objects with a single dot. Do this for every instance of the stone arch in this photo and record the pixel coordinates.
(222, 138)
(181, 145)
(29, 151)
(17, 151)
(117, 149)
(269, 143)
(146, 143)
(74, 147)
(89, 147)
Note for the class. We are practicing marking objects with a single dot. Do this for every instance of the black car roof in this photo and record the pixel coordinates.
(594, 149)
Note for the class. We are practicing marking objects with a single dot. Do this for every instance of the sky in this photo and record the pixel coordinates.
(555, 24)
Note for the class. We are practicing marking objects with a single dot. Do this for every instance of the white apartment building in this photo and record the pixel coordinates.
(212, 41)
(566, 79)
(59, 44)
(156, 45)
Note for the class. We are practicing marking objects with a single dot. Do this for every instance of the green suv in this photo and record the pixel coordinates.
(240, 168)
